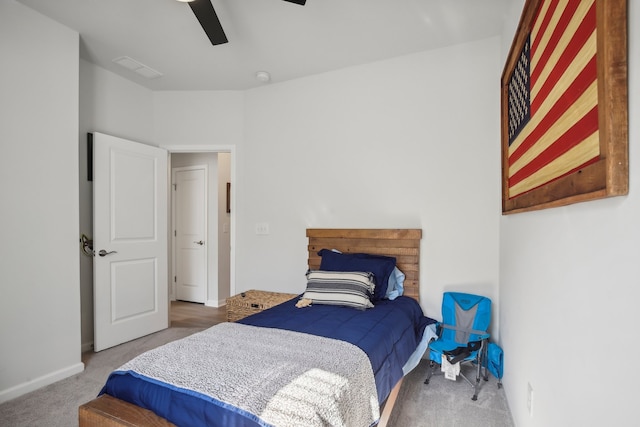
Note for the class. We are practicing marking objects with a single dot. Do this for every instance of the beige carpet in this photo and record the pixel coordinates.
(445, 403)
(57, 404)
(442, 403)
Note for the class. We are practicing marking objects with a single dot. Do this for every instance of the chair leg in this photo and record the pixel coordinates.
(475, 389)
(429, 371)
(476, 386)
(481, 359)
(485, 360)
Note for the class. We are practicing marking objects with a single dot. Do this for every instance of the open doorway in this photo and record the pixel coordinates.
(219, 224)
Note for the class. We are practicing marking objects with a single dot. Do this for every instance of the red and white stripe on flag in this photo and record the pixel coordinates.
(561, 135)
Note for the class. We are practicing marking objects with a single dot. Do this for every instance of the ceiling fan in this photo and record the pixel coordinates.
(206, 14)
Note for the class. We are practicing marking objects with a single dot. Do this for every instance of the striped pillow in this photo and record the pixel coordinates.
(347, 288)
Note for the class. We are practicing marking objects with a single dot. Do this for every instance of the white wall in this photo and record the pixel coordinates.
(398, 143)
(569, 289)
(407, 142)
(40, 287)
(198, 118)
(115, 106)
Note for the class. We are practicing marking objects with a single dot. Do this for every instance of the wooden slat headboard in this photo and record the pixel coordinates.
(403, 244)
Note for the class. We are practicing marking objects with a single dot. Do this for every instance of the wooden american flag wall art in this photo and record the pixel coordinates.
(564, 105)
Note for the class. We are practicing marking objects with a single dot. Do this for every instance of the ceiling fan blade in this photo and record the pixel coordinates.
(203, 9)
(300, 2)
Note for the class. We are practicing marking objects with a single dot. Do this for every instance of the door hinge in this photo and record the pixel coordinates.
(175, 279)
(175, 187)
(175, 233)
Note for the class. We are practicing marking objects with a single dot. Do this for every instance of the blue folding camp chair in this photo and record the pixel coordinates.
(462, 335)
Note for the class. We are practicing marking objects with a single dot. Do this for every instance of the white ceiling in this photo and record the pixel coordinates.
(285, 39)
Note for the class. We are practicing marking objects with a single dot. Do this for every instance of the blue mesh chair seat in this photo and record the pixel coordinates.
(462, 335)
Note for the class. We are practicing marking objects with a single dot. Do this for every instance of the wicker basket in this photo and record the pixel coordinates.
(251, 302)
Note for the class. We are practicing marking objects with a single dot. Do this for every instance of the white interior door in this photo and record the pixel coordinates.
(190, 233)
(130, 240)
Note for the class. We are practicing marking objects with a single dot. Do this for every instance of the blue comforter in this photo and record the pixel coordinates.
(388, 333)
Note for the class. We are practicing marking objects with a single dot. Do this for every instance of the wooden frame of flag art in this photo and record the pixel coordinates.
(564, 105)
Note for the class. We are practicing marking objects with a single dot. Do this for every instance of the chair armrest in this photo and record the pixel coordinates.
(483, 335)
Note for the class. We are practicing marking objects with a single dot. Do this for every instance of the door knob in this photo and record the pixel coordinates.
(200, 242)
(105, 253)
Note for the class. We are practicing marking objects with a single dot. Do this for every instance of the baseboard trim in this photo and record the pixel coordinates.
(29, 386)
(216, 304)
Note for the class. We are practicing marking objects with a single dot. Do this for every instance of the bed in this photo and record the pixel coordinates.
(281, 340)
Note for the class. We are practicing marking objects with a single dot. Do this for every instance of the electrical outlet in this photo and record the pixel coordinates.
(530, 399)
(262, 228)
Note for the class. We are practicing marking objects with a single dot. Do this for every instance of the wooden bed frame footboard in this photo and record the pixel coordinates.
(107, 411)
(403, 244)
